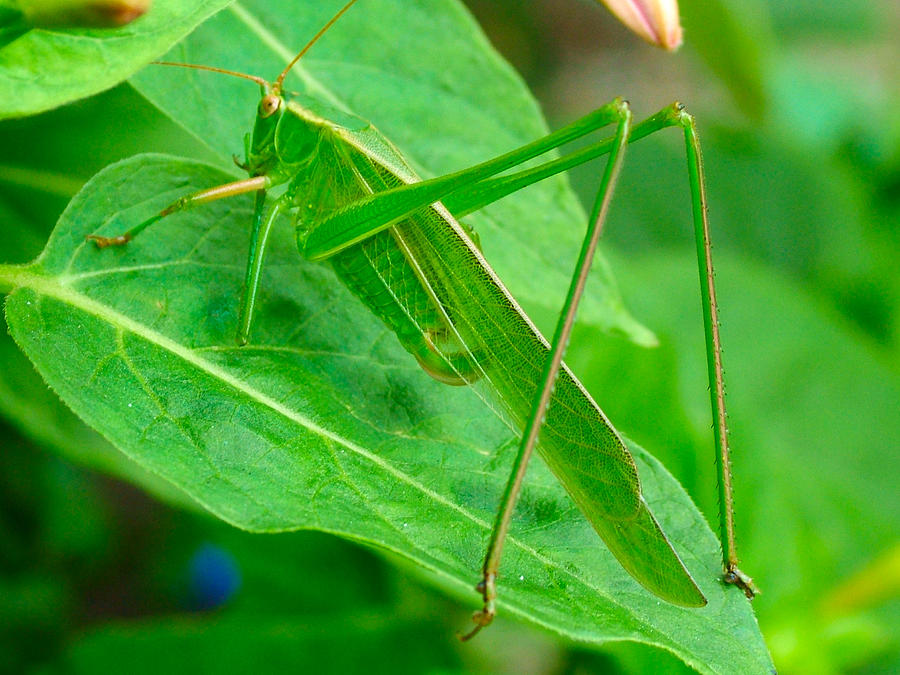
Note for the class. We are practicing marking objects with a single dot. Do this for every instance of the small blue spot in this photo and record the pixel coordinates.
(214, 577)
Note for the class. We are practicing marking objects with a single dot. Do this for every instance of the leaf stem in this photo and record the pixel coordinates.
(11, 277)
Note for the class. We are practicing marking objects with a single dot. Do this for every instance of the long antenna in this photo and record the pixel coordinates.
(309, 44)
(261, 82)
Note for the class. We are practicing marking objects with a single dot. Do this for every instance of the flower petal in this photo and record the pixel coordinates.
(656, 21)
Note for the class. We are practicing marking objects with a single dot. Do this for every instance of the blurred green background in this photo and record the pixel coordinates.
(797, 105)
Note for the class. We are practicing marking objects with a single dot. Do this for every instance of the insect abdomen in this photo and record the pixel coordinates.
(377, 272)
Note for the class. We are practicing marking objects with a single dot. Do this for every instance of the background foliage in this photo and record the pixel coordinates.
(802, 154)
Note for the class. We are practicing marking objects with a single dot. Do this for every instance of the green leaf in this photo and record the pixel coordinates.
(26, 401)
(324, 422)
(41, 69)
(411, 69)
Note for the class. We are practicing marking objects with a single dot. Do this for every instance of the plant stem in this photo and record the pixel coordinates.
(15, 276)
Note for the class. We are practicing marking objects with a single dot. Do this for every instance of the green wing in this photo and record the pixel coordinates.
(577, 442)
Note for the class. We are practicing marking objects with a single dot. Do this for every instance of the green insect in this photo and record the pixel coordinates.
(396, 243)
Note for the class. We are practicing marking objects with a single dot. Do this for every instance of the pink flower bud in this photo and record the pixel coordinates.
(656, 21)
(83, 13)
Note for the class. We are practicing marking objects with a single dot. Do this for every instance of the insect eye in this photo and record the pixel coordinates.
(269, 105)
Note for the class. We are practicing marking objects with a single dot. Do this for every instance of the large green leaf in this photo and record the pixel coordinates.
(324, 422)
(41, 68)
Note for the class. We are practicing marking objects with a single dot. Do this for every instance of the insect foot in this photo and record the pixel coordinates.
(103, 242)
(735, 577)
(487, 587)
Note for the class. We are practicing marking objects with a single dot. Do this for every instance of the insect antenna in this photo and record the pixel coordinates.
(309, 44)
(260, 81)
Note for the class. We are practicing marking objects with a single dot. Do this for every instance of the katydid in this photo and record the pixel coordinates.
(395, 241)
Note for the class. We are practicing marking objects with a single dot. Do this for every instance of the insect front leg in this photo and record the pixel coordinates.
(259, 236)
(189, 201)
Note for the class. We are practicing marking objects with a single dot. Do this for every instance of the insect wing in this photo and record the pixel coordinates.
(577, 441)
